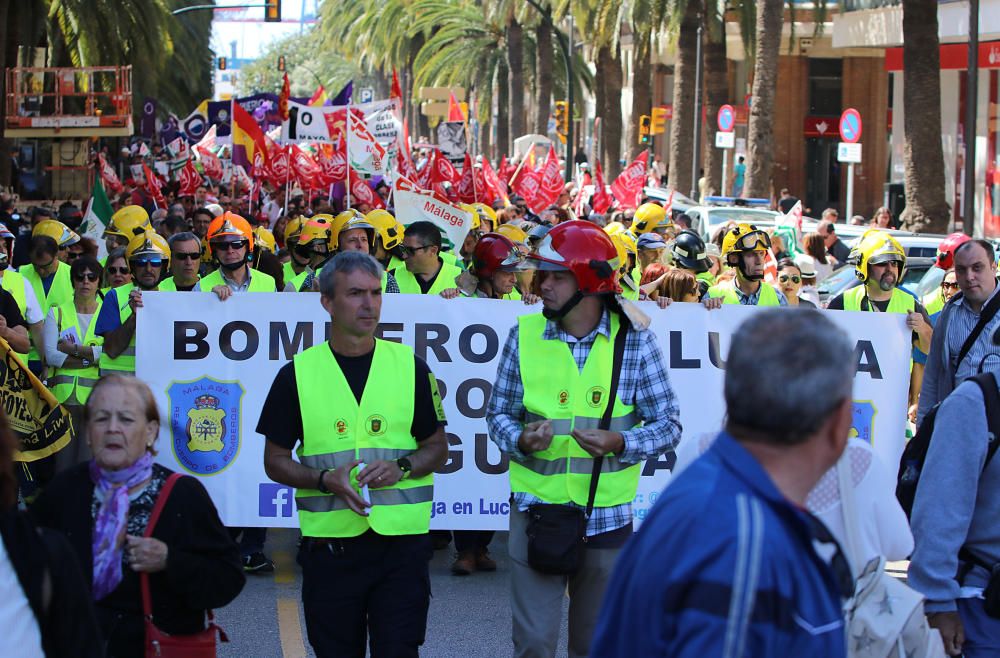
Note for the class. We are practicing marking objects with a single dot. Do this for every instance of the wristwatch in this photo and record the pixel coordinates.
(404, 465)
(319, 482)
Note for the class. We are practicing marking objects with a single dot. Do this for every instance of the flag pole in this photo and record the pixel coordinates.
(288, 178)
(347, 158)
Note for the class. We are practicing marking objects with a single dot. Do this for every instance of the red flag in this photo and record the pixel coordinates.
(396, 91)
(526, 184)
(279, 169)
(332, 164)
(550, 184)
(627, 188)
(190, 179)
(444, 171)
(108, 175)
(425, 175)
(152, 186)
(496, 187)
(601, 200)
(454, 109)
(305, 169)
(467, 190)
(404, 165)
(286, 92)
(505, 170)
(210, 163)
(361, 192)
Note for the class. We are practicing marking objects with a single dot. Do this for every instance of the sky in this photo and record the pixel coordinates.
(252, 38)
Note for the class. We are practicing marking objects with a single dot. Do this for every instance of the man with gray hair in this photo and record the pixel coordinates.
(365, 416)
(185, 259)
(743, 576)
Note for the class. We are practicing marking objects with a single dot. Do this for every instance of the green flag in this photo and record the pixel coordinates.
(98, 215)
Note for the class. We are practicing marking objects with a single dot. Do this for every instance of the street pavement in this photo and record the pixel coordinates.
(469, 615)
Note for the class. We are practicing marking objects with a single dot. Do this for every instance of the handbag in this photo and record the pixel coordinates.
(159, 643)
(884, 618)
(557, 534)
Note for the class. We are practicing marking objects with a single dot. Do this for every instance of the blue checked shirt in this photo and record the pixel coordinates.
(643, 384)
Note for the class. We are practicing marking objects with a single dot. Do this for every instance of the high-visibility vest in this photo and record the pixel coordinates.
(15, 284)
(300, 278)
(169, 285)
(288, 271)
(555, 389)
(60, 292)
(707, 277)
(445, 279)
(259, 282)
(336, 430)
(65, 380)
(513, 294)
(900, 302)
(934, 304)
(124, 362)
(767, 297)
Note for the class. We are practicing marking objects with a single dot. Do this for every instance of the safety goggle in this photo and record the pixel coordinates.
(753, 241)
(513, 261)
(147, 262)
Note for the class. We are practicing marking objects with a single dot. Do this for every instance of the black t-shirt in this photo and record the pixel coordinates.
(837, 304)
(281, 418)
(9, 310)
(189, 288)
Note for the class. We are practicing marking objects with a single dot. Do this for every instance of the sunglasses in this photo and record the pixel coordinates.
(194, 255)
(949, 286)
(406, 252)
(117, 270)
(73, 255)
(86, 276)
(147, 262)
(224, 246)
(795, 278)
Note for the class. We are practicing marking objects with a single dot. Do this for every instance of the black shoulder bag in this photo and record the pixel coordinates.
(557, 534)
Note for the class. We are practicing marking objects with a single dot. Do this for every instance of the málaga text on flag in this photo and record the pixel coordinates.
(414, 204)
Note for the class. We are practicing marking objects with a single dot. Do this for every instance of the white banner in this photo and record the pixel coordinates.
(306, 123)
(210, 365)
(413, 204)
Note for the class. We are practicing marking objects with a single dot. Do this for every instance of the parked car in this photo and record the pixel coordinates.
(707, 219)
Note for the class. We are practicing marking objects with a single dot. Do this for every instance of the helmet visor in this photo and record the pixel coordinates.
(753, 241)
(514, 262)
(887, 257)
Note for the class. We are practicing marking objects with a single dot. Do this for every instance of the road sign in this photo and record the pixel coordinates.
(726, 120)
(849, 152)
(748, 100)
(366, 95)
(850, 126)
(725, 140)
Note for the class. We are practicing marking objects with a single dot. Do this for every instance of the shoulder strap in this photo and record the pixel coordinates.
(616, 368)
(984, 319)
(991, 396)
(147, 600)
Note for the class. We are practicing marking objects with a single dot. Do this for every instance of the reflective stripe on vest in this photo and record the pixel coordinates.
(60, 292)
(378, 428)
(767, 297)
(445, 279)
(259, 282)
(15, 284)
(124, 362)
(900, 302)
(67, 380)
(555, 389)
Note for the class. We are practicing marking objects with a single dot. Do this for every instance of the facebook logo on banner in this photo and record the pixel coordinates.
(275, 500)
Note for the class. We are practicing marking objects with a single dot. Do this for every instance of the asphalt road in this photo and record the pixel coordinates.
(469, 616)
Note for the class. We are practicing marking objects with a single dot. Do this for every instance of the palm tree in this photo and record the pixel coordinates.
(642, 70)
(685, 87)
(544, 57)
(926, 208)
(760, 141)
(716, 90)
(515, 65)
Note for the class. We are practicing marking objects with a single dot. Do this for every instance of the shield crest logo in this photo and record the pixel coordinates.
(376, 425)
(205, 424)
(595, 396)
(863, 421)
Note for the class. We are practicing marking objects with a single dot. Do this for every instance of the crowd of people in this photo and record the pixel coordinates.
(582, 397)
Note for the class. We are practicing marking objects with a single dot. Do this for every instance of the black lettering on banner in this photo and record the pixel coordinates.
(714, 353)
(226, 340)
(301, 339)
(384, 327)
(187, 335)
(677, 360)
(455, 457)
(465, 343)
(483, 457)
(462, 397)
(293, 118)
(307, 118)
(665, 462)
(866, 360)
(422, 341)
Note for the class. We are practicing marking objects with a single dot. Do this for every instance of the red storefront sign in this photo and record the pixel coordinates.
(820, 127)
(954, 56)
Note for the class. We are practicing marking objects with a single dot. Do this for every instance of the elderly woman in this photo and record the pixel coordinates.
(103, 506)
(116, 272)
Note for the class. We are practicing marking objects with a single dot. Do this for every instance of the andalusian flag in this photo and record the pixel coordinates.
(97, 217)
(248, 139)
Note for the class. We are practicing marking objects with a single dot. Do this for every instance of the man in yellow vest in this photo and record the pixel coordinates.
(315, 243)
(22, 292)
(185, 261)
(365, 419)
(296, 264)
(424, 271)
(357, 234)
(231, 241)
(50, 281)
(744, 248)
(554, 385)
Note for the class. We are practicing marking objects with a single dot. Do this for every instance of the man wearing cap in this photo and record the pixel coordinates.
(651, 247)
(744, 248)
(231, 241)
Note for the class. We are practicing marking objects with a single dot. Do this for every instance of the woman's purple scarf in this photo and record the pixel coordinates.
(109, 526)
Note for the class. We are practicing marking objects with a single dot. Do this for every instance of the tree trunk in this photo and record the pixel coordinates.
(543, 74)
(681, 134)
(760, 142)
(642, 89)
(6, 33)
(515, 62)
(716, 95)
(601, 110)
(609, 70)
(503, 110)
(926, 208)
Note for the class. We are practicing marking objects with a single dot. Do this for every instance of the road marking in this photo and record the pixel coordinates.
(289, 629)
(284, 571)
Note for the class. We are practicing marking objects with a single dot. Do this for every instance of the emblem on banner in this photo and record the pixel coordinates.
(563, 398)
(376, 425)
(863, 420)
(205, 424)
(595, 396)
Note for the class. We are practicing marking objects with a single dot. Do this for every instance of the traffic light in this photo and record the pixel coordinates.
(281, 63)
(562, 117)
(659, 124)
(644, 123)
(222, 63)
(272, 13)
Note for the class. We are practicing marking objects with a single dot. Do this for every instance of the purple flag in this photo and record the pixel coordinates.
(344, 97)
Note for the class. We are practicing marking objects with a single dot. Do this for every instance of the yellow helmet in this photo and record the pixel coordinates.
(876, 247)
(387, 228)
(150, 244)
(316, 228)
(476, 221)
(485, 212)
(293, 227)
(337, 224)
(742, 238)
(512, 233)
(62, 234)
(625, 245)
(648, 217)
(128, 222)
(265, 239)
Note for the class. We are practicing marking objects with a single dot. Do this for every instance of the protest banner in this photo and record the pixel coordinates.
(42, 426)
(212, 363)
(414, 204)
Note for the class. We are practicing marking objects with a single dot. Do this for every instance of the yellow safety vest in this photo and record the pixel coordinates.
(336, 430)
(513, 294)
(707, 277)
(124, 362)
(60, 292)
(555, 389)
(288, 271)
(259, 282)
(15, 284)
(168, 285)
(727, 291)
(445, 279)
(66, 380)
(298, 279)
(934, 303)
(900, 302)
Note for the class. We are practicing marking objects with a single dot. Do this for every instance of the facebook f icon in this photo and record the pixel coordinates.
(275, 500)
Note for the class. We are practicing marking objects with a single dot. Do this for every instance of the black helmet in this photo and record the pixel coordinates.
(688, 251)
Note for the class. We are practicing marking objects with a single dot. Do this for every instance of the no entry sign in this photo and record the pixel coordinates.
(727, 118)
(850, 126)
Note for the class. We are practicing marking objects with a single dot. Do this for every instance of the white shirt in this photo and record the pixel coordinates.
(21, 636)
(50, 337)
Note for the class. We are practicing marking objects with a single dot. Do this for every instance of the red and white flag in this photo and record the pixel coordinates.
(413, 204)
(496, 188)
(467, 189)
(627, 188)
(601, 200)
(792, 218)
(152, 186)
(364, 153)
(361, 192)
(190, 179)
(550, 184)
(305, 169)
(210, 162)
(108, 175)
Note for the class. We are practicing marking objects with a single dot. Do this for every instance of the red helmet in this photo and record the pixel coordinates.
(946, 250)
(585, 250)
(495, 253)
